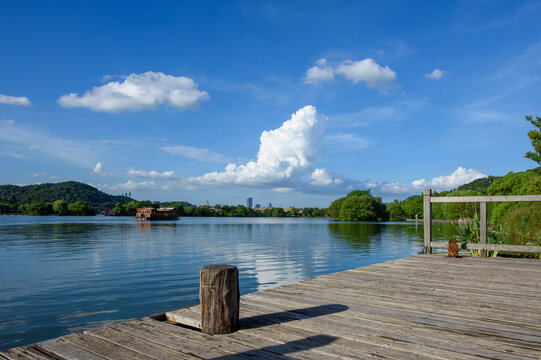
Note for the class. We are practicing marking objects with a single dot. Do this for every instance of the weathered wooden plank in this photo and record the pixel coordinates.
(171, 335)
(65, 350)
(491, 295)
(185, 317)
(103, 348)
(137, 344)
(24, 353)
(466, 199)
(439, 281)
(431, 302)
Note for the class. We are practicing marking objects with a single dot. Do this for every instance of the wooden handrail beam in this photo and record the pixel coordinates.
(464, 199)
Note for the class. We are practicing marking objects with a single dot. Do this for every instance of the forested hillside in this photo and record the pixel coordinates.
(15, 196)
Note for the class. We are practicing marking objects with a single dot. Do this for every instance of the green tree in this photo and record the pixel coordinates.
(396, 212)
(535, 138)
(362, 208)
(278, 212)
(37, 208)
(413, 206)
(292, 212)
(60, 207)
(119, 209)
(81, 208)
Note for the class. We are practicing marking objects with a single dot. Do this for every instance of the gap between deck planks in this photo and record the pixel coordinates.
(421, 307)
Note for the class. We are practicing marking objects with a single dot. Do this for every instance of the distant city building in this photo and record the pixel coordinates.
(257, 206)
(207, 203)
(270, 205)
(249, 203)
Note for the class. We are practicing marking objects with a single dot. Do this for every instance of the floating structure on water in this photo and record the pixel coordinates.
(156, 214)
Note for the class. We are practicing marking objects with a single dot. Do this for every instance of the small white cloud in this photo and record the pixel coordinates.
(15, 100)
(152, 174)
(322, 177)
(320, 72)
(282, 189)
(367, 70)
(133, 185)
(98, 168)
(46, 175)
(199, 154)
(139, 91)
(461, 176)
(9, 122)
(436, 74)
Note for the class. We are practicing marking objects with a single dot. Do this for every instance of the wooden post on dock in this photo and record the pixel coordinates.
(483, 226)
(427, 219)
(219, 297)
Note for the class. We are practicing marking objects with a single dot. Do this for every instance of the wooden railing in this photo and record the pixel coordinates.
(428, 199)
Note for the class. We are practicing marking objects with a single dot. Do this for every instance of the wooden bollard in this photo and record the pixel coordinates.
(219, 297)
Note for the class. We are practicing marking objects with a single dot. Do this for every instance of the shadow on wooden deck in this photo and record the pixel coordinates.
(290, 347)
(258, 321)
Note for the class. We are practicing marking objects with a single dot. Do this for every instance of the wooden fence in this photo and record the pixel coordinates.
(428, 199)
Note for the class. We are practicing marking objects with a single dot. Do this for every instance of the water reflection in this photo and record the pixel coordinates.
(356, 235)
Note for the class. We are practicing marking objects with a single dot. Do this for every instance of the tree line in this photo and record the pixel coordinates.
(43, 208)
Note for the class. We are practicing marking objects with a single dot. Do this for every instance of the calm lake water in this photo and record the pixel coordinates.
(60, 275)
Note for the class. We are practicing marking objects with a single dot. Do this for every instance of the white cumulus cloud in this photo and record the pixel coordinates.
(15, 100)
(319, 72)
(139, 91)
(367, 70)
(322, 177)
(152, 174)
(459, 177)
(286, 153)
(436, 74)
(199, 154)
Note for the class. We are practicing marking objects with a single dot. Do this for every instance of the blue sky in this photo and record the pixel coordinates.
(292, 102)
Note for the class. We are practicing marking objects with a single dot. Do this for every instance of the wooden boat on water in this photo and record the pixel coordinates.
(156, 214)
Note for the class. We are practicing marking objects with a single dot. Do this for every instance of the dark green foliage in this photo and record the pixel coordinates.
(396, 211)
(60, 207)
(334, 209)
(522, 225)
(535, 138)
(479, 185)
(455, 211)
(81, 208)
(37, 208)
(413, 206)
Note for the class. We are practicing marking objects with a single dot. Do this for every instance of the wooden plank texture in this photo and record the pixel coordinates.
(421, 307)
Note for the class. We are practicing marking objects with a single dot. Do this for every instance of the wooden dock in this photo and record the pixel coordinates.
(421, 307)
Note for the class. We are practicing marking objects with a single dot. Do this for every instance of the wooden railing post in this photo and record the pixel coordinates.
(483, 226)
(219, 296)
(427, 218)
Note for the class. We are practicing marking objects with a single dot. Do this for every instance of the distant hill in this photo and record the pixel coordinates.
(480, 185)
(70, 191)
